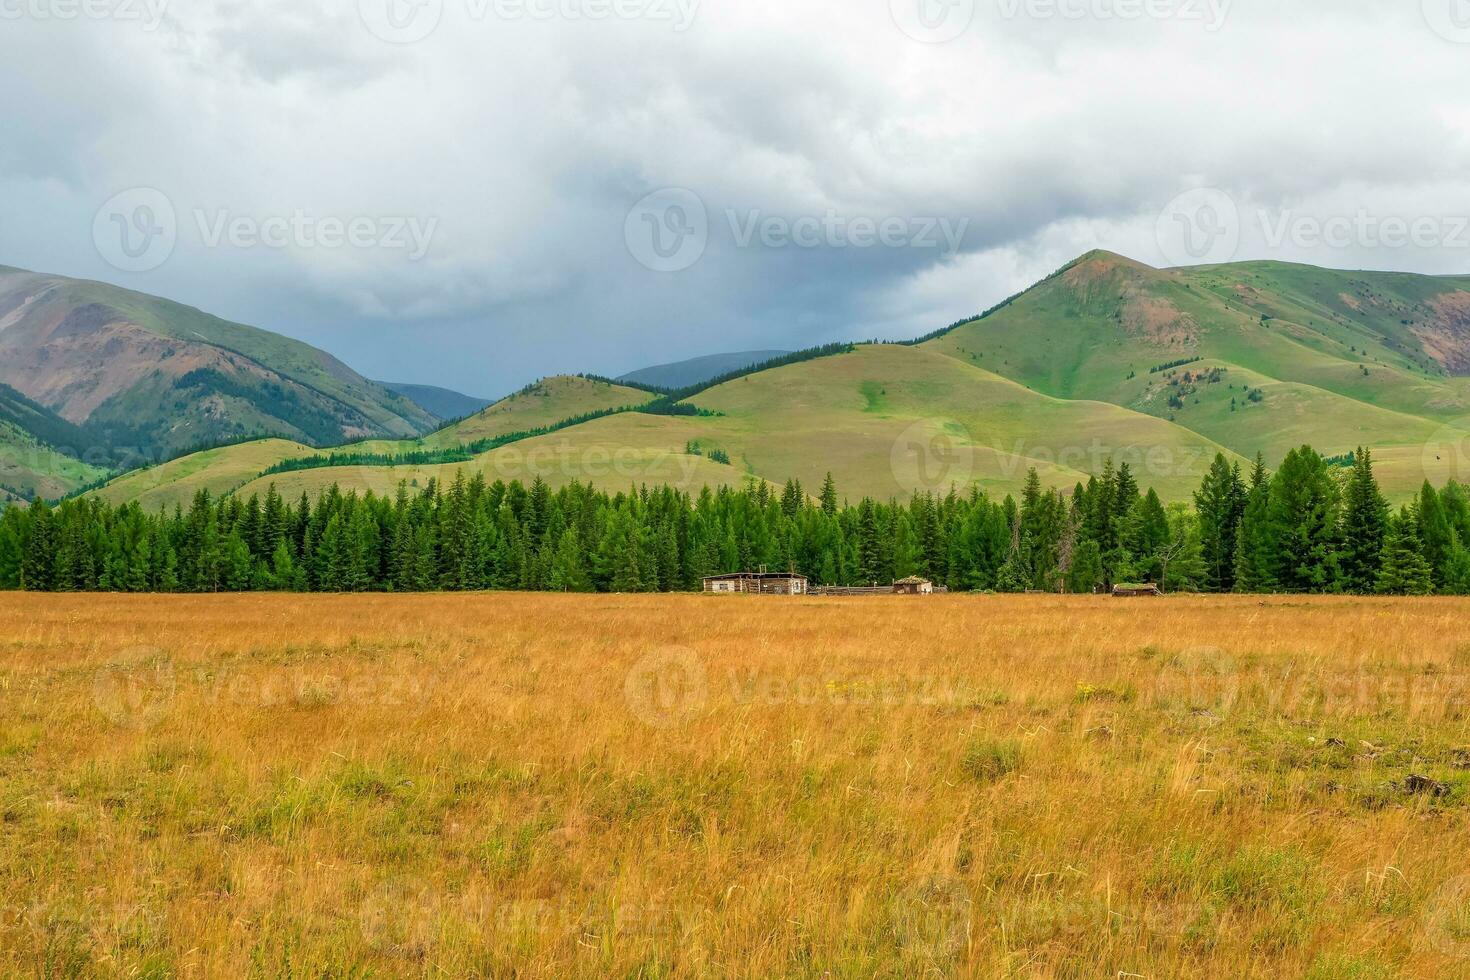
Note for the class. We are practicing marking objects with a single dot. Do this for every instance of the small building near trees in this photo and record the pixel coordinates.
(913, 585)
(1130, 591)
(758, 583)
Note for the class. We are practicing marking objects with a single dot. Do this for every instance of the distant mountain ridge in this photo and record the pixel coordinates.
(697, 370)
(443, 403)
(1104, 362)
(140, 377)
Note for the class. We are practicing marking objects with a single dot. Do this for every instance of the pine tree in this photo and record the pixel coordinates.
(1086, 572)
(1405, 570)
(283, 569)
(1255, 553)
(1456, 567)
(1148, 536)
(1220, 503)
(1434, 530)
(1364, 523)
(1302, 518)
(829, 497)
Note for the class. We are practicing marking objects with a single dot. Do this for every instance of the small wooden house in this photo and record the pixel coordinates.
(758, 583)
(1131, 591)
(913, 585)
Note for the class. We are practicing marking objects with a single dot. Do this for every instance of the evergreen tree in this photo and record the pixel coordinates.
(829, 497)
(568, 573)
(1405, 570)
(1086, 572)
(1302, 517)
(1364, 523)
(1456, 567)
(1255, 553)
(1434, 531)
(1220, 503)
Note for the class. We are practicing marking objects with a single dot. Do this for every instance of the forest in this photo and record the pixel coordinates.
(1308, 527)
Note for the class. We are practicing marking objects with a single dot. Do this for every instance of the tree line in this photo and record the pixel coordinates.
(1307, 527)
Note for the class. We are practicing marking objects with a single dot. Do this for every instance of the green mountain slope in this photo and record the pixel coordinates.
(226, 469)
(150, 377)
(1278, 354)
(1107, 359)
(42, 454)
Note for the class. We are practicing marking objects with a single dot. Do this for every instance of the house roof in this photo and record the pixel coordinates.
(760, 575)
(913, 580)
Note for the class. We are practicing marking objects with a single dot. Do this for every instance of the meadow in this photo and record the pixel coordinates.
(669, 786)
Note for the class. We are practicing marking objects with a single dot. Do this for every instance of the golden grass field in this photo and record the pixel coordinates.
(547, 786)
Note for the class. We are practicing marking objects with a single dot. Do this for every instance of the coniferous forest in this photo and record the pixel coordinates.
(1309, 526)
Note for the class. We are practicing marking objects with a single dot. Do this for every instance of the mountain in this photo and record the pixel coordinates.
(441, 403)
(230, 468)
(698, 370)
(139, 377)
(1107, 359)
(1280, 355)
(30, 463)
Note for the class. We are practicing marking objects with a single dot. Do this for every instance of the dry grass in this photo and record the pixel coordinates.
(641, 786)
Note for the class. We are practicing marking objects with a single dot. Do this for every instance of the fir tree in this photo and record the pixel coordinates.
(1220, 503)
(1405, 570)
(1255, 554)
(1302, 518)
(1364, 523)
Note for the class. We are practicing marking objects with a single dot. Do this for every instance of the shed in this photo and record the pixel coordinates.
(1129, 591)
(913, 585)
(758, 583)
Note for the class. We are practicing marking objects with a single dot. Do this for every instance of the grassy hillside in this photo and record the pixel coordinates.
(544, 403)
(884, 420)
(30, 468)
(224, 470)
(1280, 355)
(217, 470)
(1106, 359)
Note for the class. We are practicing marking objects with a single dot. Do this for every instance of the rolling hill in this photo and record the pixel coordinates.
(1106, 359)
(698, 370)
(1279, 355)
(138, 377)
(231, 468)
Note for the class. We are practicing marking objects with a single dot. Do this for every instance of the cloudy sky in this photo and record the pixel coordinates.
(476, 193)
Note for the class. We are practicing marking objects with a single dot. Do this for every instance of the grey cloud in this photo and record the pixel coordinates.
(528, 141)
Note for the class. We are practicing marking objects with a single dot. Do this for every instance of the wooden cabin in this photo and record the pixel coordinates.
(913, 585)
(1131, 591)
(758, 583)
